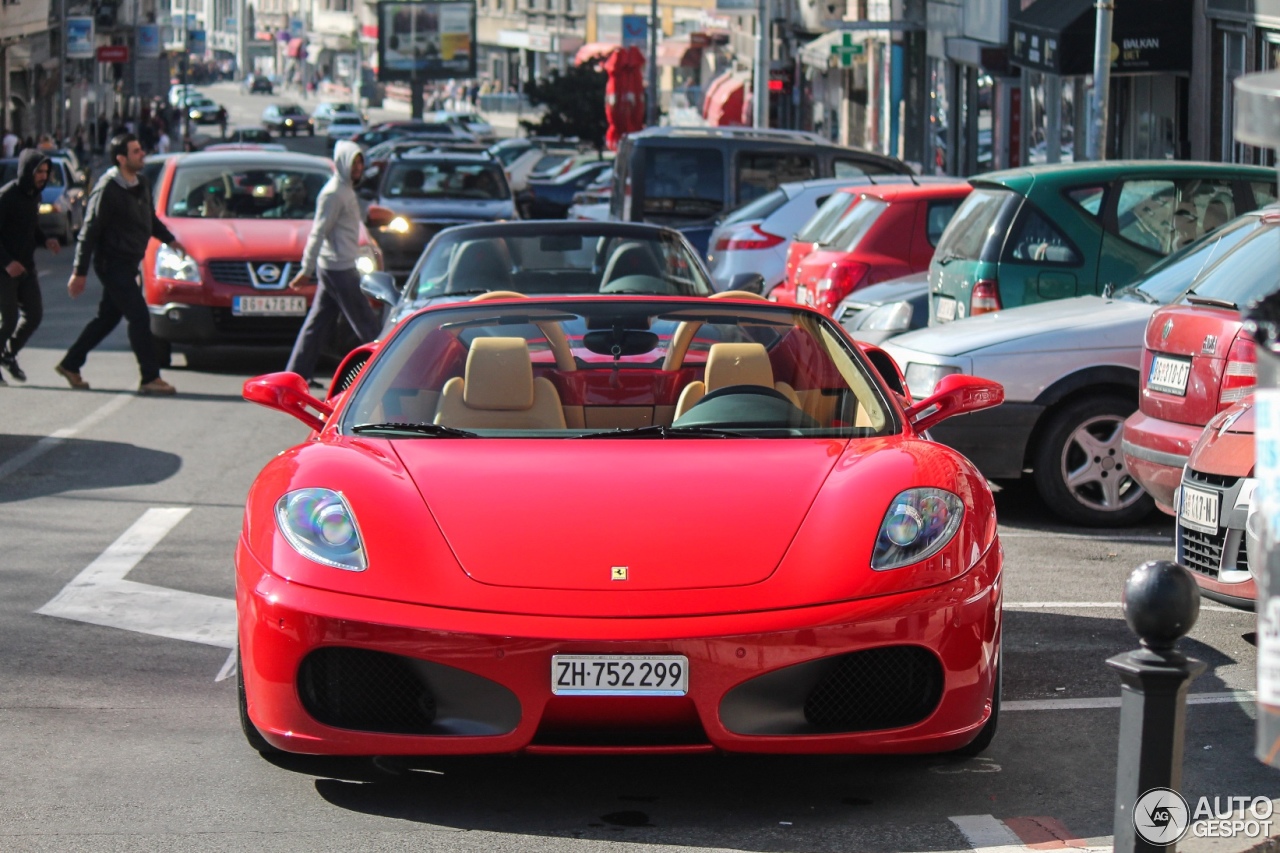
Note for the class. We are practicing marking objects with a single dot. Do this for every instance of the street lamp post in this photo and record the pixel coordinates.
(1101, 82)
(60, 114)
(760, 98)
(655, 108)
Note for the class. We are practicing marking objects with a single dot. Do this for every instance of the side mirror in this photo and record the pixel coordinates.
(289, 393)
(377, 217)
(380, 286)
(751, 282)
(955, 394)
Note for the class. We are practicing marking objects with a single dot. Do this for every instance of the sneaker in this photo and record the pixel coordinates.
(11, 364)
(73, 378)
(3, 384)
(157, 388)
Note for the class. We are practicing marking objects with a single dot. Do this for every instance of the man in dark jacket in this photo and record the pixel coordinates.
(20, 234)
(119, 222)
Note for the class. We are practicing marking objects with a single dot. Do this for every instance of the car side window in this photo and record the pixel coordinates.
(1088, 199)
(1162, 216)
(936, 218)
(760, 172)
(1035, 239)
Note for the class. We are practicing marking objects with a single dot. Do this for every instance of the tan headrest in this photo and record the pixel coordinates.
(738, 364)
(499, 375)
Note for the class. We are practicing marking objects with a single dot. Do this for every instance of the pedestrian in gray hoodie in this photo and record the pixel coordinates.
(332, 250)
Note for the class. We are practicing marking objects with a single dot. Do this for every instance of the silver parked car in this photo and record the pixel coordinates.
(1070, 370)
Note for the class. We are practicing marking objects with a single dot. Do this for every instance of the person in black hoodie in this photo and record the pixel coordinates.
(20, 234)
(119, 222)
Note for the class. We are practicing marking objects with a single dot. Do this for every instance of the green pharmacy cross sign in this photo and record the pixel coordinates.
(847, 50)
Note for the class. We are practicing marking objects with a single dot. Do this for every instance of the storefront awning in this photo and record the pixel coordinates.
(1056, 36)
(727, 105)
(594, 50)
(679, 52)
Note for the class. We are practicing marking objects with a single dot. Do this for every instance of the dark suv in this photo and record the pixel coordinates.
(422, 192)
(288, 119)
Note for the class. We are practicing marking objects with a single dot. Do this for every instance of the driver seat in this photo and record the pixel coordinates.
(733, 364)
(499, 391)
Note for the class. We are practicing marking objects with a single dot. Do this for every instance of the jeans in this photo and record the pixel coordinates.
(338, 294)
(19, 296)
(121, 297)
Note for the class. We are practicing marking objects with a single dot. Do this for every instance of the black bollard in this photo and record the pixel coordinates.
(1161, 603)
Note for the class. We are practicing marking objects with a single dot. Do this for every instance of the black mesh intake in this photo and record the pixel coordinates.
(876, 689)
(366, 691)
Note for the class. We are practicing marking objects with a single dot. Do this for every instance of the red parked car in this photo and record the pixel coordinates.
(889, 232)
(1198, 361)
(1217, 529)
(473, 550)
(820, 225)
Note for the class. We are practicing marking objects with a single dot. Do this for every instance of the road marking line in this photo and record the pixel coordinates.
(228, 668)
(100, 594)
(1044, 833)
(44, 445)
(986, 834)
(1231, 696)
(1096, 605)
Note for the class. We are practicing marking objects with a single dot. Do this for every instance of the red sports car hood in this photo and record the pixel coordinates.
(673, 514)
(241, 239)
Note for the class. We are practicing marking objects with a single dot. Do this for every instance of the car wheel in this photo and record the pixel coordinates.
(1080, 471)
(988, 732)
(251, 733)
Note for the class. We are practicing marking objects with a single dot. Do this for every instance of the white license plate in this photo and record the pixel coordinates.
(1169, 375)
(1199, 510)
(946, 310)
(802, 294)
(269, 306)
(619, 675)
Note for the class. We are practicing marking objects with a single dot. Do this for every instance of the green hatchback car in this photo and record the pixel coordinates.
(1049, 232)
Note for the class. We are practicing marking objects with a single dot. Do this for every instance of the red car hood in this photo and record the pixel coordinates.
(673, 513)
(241, 239)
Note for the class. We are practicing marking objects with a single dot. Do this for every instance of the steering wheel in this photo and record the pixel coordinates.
(733, 390)
(746, 406)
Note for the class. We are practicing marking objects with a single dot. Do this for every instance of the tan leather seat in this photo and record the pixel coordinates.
(499, 391)
(733, 364)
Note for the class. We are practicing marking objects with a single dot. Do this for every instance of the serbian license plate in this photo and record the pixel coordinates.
(619, 675)
(1169, 375)
(269, 306)
(802, 294)
(945, 311)
(1199, 510)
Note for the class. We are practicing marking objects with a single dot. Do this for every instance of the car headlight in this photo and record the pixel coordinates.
(321, 527)
(288, 121)
(196, 114)
(171, 264)
(365, 264)
(48, 208)
(893, 317)
(399, 225)
(923, 378)
(919, 523)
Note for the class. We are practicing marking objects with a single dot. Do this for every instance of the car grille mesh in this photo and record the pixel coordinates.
(365, 691)
(1201, 552)
(241, 272)
(883, 688)
(1217, 481)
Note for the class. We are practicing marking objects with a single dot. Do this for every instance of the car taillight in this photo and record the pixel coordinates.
(985, 297)
(756, 238)
(1241, 373)
(842, 280)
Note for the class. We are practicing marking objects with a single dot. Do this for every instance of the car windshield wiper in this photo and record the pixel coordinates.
(660, 431)
(431, 430)
(948, 258)
(1211, 301)
(1137, 292)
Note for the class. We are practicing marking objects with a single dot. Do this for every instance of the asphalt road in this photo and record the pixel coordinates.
(120, 733)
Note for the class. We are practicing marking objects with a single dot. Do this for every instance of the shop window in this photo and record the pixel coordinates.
(1088, 199)
(761, 172)
(1233, 46)
(1034, 238)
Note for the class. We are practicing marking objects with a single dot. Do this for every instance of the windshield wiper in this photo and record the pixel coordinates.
(660, 431)
(1211, 301)
(948, 258)
(1131, 290)
(432, 430)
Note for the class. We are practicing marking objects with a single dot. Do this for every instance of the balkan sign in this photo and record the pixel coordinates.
(1056, 36)
(428, 40)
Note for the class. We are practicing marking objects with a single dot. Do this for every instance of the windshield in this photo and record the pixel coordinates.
(855, 224)
(1169, 278)
(240, 191)
(973, 225)
(578, 261)
(446, 179)
(827, 216)
(1245, 273)
(551, 368)
(761, 208)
